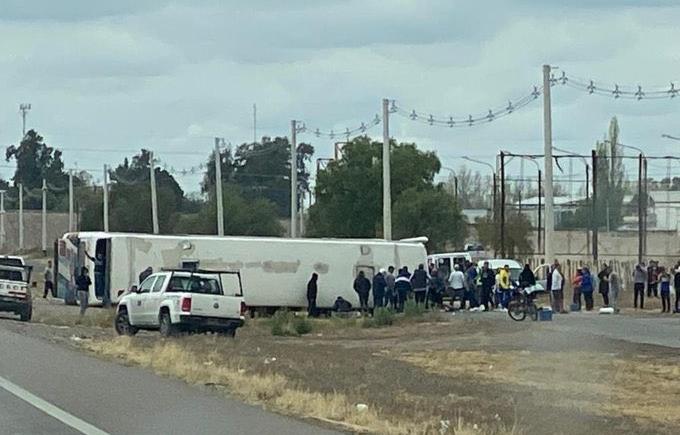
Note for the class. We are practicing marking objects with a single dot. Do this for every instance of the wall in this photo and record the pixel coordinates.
(57, 225)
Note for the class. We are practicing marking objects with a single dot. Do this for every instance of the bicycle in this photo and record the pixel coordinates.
(521, 305)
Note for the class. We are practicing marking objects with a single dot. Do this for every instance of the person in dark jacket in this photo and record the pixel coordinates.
(145, 274)
(402, 286)
(436, 289)
(587, 288)
(100, 277)
(363, 287)
(487, 279)
(341, 305)
(83, 283)
(312, 291)
(419, 284)
(379, 285)
(676, 286)
(527, 277)
(603, 285)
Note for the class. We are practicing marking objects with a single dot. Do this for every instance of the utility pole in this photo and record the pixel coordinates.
(254, 123)
(593, 210)
(293, 179)
(587, 201)
(646, 204)
(502, 204)
(71, 227)
(44, 216)
(455, 188)
(387, 182)
(538, 230)
(2, 218)
(494, 206)
(219, 199)
(106, 199)
(21, 216)
(302, 214)
(24, 108)
(547, 138)
(641, 243)
(154, 200)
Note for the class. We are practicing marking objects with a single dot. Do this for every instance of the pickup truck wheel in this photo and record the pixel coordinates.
(231, 332)
(167, 329)
(122, 324)
(26, 315)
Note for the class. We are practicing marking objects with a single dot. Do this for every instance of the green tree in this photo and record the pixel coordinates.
(242, 217)
(517, 234)
(349, 195)
(130, 197)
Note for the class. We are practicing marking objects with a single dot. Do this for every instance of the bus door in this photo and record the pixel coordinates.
(67, 264)
(102, 272)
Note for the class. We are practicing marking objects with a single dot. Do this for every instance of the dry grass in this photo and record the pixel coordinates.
(643, 389)
(94, 317)
(173, 358)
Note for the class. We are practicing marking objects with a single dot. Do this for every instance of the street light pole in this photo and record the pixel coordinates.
(387, 184)
(547, 145)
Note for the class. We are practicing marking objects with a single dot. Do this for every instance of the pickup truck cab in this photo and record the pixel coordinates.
(183, 300)
(15, 297)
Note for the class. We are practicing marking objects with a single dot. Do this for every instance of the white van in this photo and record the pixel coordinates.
(444, 262)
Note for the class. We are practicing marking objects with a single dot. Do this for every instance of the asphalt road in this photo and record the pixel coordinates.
(42, 385)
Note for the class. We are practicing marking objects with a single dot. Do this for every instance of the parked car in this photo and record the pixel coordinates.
(183, 300)
(15, 297)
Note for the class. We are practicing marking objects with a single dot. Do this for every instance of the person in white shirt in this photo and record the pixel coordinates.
(557, 289)
(457, 283)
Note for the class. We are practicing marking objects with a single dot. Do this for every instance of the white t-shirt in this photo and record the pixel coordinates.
(556, 280)
(457, 280)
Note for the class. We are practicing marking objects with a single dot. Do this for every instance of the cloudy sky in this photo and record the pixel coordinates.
(106, 78)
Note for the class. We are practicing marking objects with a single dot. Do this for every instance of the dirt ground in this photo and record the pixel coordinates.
(482, 369)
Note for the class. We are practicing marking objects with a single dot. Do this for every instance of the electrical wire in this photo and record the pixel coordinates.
(348, 133)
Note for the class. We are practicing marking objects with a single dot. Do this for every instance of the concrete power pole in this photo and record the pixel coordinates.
(219, 199)
(302, 214)
(71, 226)
(154, 200)
(387, 187)
(21, 216)
(24, 108)
(547, 138)
(106, 199)
(44, 216)
(2, 218)
(293, 179)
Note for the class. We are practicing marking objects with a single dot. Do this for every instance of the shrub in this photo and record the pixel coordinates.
(381, 317)
(286, 323)
(411, 309)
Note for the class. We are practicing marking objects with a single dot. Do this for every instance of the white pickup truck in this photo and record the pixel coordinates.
(182, 300)
(15, 296)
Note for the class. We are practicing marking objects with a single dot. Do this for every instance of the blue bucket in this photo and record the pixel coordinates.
(545, 315)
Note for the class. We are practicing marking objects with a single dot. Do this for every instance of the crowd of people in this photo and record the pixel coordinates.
(483, 288)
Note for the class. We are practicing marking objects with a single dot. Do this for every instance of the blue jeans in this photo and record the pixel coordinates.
(83, 300)
(100, 288)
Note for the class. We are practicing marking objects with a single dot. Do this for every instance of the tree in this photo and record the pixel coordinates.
(611, 189)
(244, 217)
(349, 195)
(262, 170)
(35, 161)
(130, 196)
(517, 234)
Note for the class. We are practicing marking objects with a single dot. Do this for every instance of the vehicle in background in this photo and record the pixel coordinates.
(12, 260)
(444, 262)
(275, 271)
(174, 301)
(15, 296)
(499, 263)
(476, 251)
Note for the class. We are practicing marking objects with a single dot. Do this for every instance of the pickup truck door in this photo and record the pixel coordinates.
(152, 304)
(211, 302)
(138, 302)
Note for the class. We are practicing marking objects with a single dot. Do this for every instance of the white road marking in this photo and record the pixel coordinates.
(49, 409)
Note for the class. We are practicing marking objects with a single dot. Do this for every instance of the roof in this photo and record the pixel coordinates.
(495, 263)
(180, 237)
(557, 200)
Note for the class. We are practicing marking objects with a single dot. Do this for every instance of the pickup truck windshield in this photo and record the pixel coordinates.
(11, 275)
(194, 284)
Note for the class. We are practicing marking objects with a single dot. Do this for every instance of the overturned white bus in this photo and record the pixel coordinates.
(275, 271)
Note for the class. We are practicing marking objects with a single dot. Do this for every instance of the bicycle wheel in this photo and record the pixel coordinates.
(517, 310)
